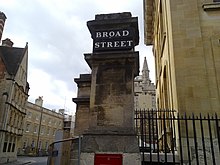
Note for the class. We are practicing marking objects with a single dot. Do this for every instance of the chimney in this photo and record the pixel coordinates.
(7, 42)
(2, 23)
(39, 101)
(61, 111)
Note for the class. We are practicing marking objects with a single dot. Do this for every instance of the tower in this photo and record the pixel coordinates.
(144, 90)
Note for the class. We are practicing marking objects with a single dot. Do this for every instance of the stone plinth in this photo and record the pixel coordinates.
(111, 125)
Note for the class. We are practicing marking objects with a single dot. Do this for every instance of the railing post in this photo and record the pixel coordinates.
(79, 150)
(195, 139)
(211, 140)
(203, 139)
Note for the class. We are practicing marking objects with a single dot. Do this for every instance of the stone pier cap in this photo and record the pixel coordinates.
(116, 31)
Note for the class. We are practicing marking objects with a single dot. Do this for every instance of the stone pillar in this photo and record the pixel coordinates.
(114, 65)
(82, 104)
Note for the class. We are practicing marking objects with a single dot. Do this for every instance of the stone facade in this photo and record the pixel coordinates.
(185, 37)
(40, 126)
(14, 94)
(69, 124)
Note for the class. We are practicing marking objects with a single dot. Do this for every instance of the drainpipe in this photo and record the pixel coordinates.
(39, 129)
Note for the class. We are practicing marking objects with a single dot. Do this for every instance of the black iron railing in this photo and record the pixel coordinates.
(166, 137)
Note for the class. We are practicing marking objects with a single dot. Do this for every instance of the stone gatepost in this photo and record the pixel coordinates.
(111, 138)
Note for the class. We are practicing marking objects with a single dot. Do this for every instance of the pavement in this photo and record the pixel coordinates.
(22, 160)
(18, 162)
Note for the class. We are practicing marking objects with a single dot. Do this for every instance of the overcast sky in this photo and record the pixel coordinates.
(57, 38)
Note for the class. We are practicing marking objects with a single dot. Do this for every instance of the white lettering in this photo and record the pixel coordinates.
(130, 43)
(98, 34)
(116, 44)
(102, 44)
(113, 44)
(125, 33)
(97, 45)
(123, 43)
(117, 34)
(105, 34)
(109, 45)
(111, 34)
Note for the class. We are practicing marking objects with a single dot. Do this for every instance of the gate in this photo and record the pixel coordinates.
(166, 137)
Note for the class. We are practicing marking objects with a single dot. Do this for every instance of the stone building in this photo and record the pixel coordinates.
(186, 43)
(69, 124)
(40, 127)
(144, 90)
(14, 94)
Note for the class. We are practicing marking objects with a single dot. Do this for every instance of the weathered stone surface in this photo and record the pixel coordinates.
(110, 143)
(111, 98)
(82, 101)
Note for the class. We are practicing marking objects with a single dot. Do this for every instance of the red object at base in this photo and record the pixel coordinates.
(108, 159)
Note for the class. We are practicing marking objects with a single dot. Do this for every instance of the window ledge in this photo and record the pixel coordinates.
(211, 6)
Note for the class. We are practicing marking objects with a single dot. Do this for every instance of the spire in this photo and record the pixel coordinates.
(145, 72)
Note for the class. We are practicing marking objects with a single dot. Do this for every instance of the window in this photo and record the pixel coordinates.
(24, 144)
(44, 119)
(33, 144)
(48, 131)
(5, 146)
(37, 117)
(42, 130)
(46, 145)
(9, 147)
(27, 127)
(10, 144)
(13, 145)
(29, 114)
(35, 129)
(39, 145)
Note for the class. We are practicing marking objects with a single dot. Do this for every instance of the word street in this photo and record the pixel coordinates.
(113, 44)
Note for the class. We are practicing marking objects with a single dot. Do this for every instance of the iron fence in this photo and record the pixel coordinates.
(166, 137)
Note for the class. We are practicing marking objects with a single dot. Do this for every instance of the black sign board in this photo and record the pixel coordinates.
(105, 40)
